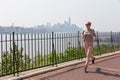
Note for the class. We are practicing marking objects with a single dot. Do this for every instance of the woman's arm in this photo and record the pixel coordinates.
(83, 35)
(94, 34)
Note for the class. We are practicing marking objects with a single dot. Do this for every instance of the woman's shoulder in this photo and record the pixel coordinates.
(92, 30)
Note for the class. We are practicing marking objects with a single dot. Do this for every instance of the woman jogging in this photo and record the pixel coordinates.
(88, 35)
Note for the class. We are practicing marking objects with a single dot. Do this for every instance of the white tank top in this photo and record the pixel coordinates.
(88, 34)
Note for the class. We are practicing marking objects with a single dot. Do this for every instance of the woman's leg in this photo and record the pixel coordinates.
(87, 56)
(91, 55)
(86, 45)
(87, 60)
(91, 49)
(88, 49)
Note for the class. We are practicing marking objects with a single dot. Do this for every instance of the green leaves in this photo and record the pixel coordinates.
(20, 61)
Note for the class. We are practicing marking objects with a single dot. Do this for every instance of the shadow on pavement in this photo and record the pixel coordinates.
(98, 71)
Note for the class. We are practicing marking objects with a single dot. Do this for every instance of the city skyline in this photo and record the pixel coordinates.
(67, 26)
(104, 15)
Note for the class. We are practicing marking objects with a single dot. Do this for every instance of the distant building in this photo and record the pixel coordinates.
(67, 26)
(69, 20)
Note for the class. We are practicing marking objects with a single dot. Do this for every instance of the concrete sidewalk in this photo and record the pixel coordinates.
(105, 70)
(46, 72)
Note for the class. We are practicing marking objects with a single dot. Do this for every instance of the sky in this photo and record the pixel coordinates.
(104, 14)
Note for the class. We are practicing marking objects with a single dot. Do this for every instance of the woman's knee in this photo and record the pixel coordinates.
(90, 49)
(88, 55)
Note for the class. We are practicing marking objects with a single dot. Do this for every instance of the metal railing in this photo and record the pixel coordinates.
(20, 52)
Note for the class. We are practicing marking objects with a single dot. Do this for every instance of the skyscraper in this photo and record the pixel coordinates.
(69, 20)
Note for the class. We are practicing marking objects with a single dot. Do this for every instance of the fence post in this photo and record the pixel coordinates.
(2, 55)
(79, 46)
(17, 59)
(14, 54)
(53, 51)
(98, 44)
(112, 47)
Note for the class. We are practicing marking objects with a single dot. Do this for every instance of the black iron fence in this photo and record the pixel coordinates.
(21, 52)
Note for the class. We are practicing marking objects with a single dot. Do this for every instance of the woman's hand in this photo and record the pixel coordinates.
(83, 35)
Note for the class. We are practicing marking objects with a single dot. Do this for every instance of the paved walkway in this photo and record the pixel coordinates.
(107, 68)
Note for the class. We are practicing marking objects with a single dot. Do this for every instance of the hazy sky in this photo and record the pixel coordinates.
(104, 14)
